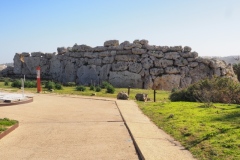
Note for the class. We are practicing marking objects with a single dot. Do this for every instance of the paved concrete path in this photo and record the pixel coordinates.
(153, 143)
(57, 127)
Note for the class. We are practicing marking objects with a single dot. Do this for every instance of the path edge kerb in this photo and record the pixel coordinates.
(139, 152)
(17, 103)
(9, 130)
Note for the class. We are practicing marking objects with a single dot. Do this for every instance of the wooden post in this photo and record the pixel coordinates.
(129, 90)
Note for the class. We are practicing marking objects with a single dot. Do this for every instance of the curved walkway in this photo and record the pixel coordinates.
(64, 127)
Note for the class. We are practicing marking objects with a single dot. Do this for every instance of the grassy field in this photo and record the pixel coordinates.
(5, 123)
(209, 133)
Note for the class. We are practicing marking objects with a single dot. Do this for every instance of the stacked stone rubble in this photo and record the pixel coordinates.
(136, 64)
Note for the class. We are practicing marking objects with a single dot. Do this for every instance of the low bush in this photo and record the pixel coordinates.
(16, 83)
(105, 84)
(217, 89)
(110, 89)
(98, 89)
(30, 84)
(81, 88)
(58, 86)
(92, 88)
(49, 85)
(6, 83)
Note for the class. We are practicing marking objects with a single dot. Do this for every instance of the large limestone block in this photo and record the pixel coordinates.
(176, 48)
(111, 43)
(158, 54)
(185, 82)
(138, 51)
(189, 54)
(172, 70)
(55, 67)
(25, 54)
(17, 64)
(108, 60)
(99, 49)
(156, 71)
(187, 49)
(167, 82)
(37, 54)
(76, 54)
(181, 62)
(90, 55)
(135, 67)
(120, 52)
(144, 42)
(81, 48)
(215, 63)
(147, 63)
(200, 72)
(120, 66)
(125, 79)
(148, 82)
(172, 55)
(32, 63)
(88, 74)
(104, 72)
(163, 63)
(107, 53)
(62, 50)
(96, 61)
(127, 58)
(164, 49)
(69, 73)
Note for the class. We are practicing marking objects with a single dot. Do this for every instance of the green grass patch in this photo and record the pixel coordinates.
(209, 133)
(5, 123)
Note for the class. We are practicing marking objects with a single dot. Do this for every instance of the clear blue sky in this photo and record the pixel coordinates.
(210, 27)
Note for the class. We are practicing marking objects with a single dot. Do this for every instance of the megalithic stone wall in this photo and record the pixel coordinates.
(136, 64)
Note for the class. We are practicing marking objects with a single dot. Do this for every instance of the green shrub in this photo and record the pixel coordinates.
(30, 84)
(6, 83)
(81, 88)
(217, 89)
(110, 89)
(92, 88)
(105, 84)
(58, 86)
(98, 89)
(16, 83)
(50, 85)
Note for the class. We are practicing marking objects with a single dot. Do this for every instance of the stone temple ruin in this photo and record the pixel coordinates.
(136, 64)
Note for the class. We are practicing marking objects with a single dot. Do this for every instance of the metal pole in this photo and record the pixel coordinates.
(22, 88)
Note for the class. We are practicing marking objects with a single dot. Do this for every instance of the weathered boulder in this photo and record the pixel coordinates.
(158, 54)
(111, 43)
(156, 71)
(147, 63)
(125, 79)
(172, 55)
(127, 58)
(120, 66)
(180, 62)
(62, 50)
(122, 95)
(37, 54)
(141, 97)
(138, 51)
(176, 48)
(148, 82)
(163, 63)
(172, 70)
(25, 54)
(108, 60)
(135, 67)
(81, 48)
(187, 49)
